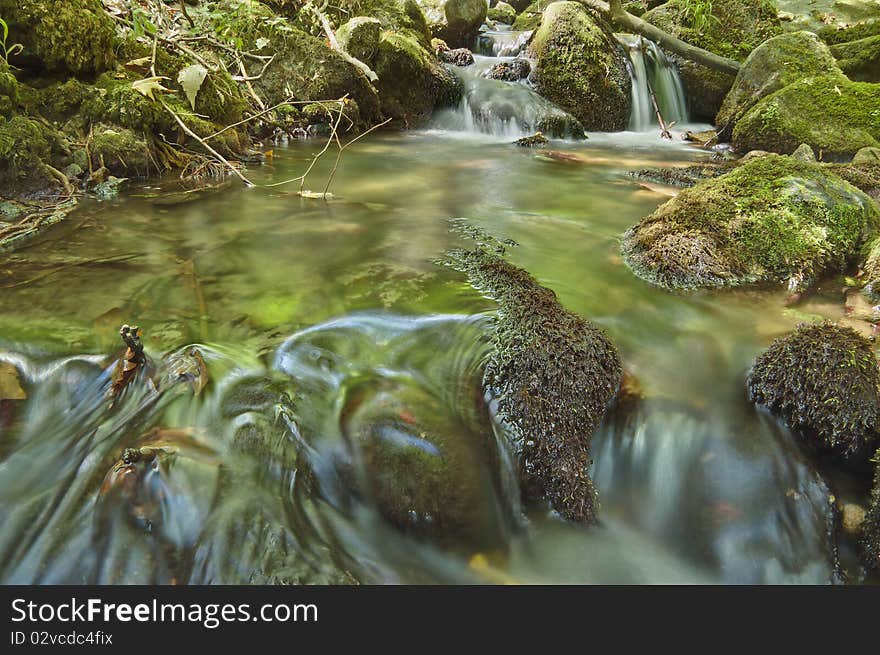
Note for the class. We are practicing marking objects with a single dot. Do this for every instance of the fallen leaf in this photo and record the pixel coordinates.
(191, 79)
(148, 85)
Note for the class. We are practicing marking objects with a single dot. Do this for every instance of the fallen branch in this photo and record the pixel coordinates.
(334, 44)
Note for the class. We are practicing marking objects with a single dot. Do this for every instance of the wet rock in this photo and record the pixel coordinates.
(456, 57)
(425, 470)
(455, 21)
(824, 381)
(535, 141)
(581, 67)
(502, 13)
(859, 60)
(852, 518)
(773, 219)
(834, 116)
(870, 533)
(359, 37)
(61, 36)
(553, 373)
(25, 148)
(679, 176)
(510, 71)
(773, 65)
(120, 150)
(734, 29)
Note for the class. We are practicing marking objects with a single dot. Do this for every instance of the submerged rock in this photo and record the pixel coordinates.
(732, 29)
(773, 65)
(554, 375)
(831, 114)
(581, 67)
(772, 219)
(824, 381)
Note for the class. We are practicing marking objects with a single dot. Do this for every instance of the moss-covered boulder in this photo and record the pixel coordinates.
(411, 80)
(9, 98)
(860, 59)
(733, 29)
(774, 64)
(581, 67)
(772, 219)
(554, 375)
(831, 114)
(120, 151)
(836, 33)
(824, 381)
(502, 13)
(60, 35)
(455, 21)
(359, 37)
(867, 156)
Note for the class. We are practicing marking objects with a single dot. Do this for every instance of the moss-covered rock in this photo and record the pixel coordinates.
(119, 150)
(554, 375)
(824, 381)
(455, 21)
(734, 29)
(581, 67)
(502, 13)
(869, 540)
(359, 37)
(772, 219)
(24, 147)
(9, 98)
(860, 60)
(867, 156)
(834, 116)
(411, 80)
(60, 35)
(835, 34)
(774, 64)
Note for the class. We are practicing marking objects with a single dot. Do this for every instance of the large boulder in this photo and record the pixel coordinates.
(732, 29)
(61, 36)
(359, 37)
(823, 380)
(774, 64)
(831, 114)
(860, 59)
(502, 13)
(772, 219)
(581, 67)
(455, 21)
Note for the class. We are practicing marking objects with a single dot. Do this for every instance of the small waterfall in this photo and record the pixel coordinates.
(648, 64)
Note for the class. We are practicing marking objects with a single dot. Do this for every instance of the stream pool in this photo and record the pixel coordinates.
(338, 308)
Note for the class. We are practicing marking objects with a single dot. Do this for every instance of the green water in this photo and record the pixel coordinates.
(697, 487)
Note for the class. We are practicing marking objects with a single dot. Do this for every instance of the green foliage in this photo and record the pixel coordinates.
(698, 15)
(6, 51)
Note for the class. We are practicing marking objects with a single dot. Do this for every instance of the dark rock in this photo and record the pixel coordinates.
(456, 56)
(510, 71)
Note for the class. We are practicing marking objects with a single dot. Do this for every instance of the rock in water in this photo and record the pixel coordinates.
(510, 71)
(502, 13)
(455, 21)
(553, 373)
(581, 67)
(773, 65)
(456, 57)
(772, 219)
(824, 381)
(869, 541)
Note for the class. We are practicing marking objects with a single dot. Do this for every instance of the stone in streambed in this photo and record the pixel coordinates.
(510, 71)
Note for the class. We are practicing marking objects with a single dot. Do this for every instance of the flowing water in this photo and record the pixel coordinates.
(651, 71)
(343, 435)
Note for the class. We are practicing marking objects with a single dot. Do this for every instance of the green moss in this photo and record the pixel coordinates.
(860, 60)
(530, 17)
(831, 114)
(553, 373)
(772, 219)
(833, 34)
(120, 150)
(734, 29)
(23, 148)
(76, 37)
(503, 13)
(9, 98)
(824, 381)
(581, 68)
(411, 81)
(773, 65)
